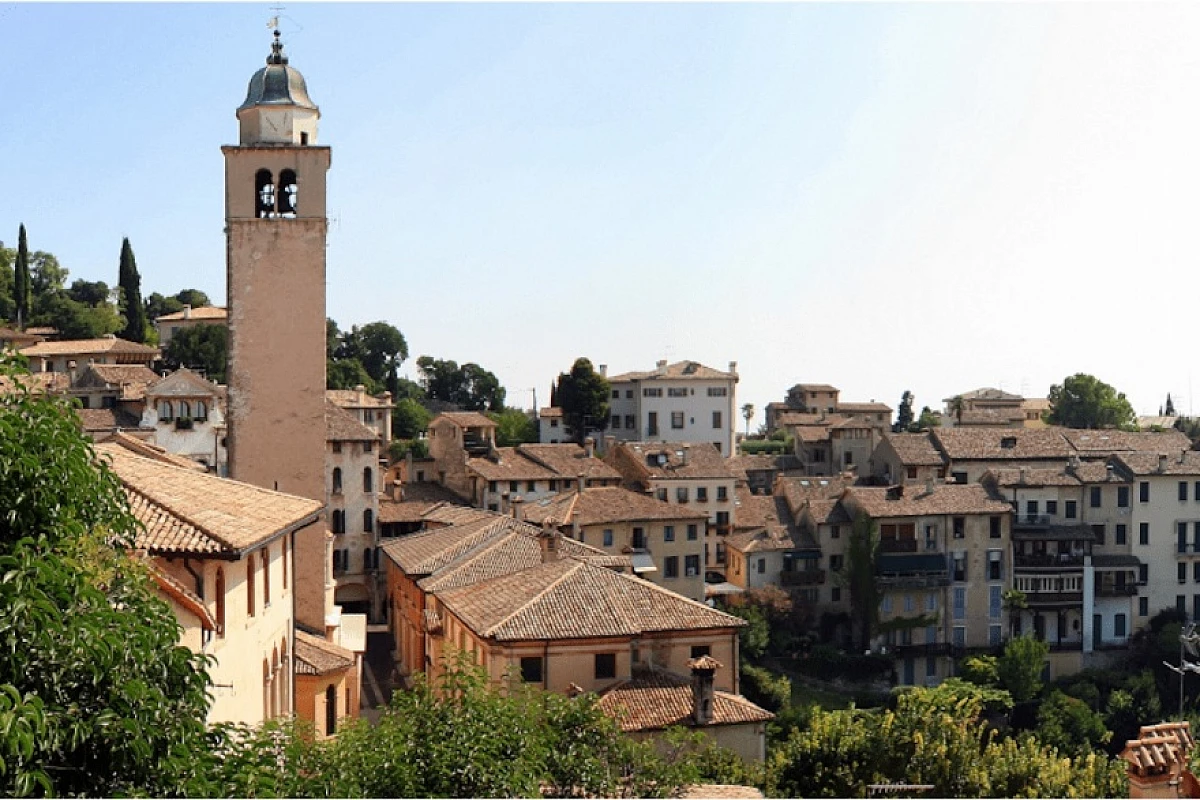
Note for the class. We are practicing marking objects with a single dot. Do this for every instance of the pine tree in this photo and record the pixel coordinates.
(131, 296)
(1169, 409)
(21, 286)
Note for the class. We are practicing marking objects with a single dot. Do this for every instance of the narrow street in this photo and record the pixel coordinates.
(377, 674)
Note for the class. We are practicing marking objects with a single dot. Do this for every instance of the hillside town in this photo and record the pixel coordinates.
(329, 536)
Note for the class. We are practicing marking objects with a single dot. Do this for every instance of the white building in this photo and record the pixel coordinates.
(681, 402)
(186, 413)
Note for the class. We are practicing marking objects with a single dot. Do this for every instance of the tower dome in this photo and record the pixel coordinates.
(277, 108)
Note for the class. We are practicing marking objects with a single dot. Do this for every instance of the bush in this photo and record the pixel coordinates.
(772, 692)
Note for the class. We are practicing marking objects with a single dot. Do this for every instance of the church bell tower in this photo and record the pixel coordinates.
(275, 231)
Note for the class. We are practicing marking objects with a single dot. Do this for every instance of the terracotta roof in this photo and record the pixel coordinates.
(1001, 417)
(863, 408)
(352, 398)
(341, 426)
(573, 599)
(655, 700)
(465, 419)
(986, 393)
(605, 504)
(140, 447)
(455, 515)
(417, 499)
(184, 597)
(800, 491)
(916, 501)
(107, 419)
(1160, 747)
(720, 791)
(13, 335)
(426, 552)
(1094, 472)
(761, 463)
(989, 443)
(506, 464)
(1101, 443)
(210, 313)
(84, 347)
(680, 370)
(37, 383)
(316, 656)
(807, 418)
(192, 512)
(568, 460)
(1183, 462)
(665, 460)
(183, 382)
(131, 379)
(814, 387)
(1031, 477)
(828, 512)
(550, 411)
(915, 449)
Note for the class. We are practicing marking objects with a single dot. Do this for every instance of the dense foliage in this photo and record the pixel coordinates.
(1083, 401)
(203, 348)
(130, 283)
(469, 387)
(582, 394)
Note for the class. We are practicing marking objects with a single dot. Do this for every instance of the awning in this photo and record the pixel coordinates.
(642, 562)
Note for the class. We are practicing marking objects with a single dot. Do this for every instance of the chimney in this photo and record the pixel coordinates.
(1162, 462)
(609, 442)
(397, 492)
(1182, 456)
(929, 485)
(733, 367)
(1024, 475)
(684, 454)
(581, 483)
(604, 370)
(549, 539)
(703, 670)
(516, 508)
(187, 311)
(661, 367)
(71, 371)
(589, 446)
(408, 466)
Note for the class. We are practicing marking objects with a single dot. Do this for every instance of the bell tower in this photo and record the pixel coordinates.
(275, 230)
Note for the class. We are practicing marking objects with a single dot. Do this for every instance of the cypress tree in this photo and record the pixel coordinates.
(131, 296)
(21, 287)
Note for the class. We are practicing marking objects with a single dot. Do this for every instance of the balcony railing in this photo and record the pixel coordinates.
(804, 577)
(1191, 548)
(1057, 598)
(1128, 590)
(898, 545)
(1032, 521)
(1048, 561)
(926, 580)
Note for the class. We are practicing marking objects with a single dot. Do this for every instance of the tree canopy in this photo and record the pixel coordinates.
(904, 415)
(22, 291)
(582, 394)
(470, 387)
(204, 348)
(1083, 401)
(513, 427)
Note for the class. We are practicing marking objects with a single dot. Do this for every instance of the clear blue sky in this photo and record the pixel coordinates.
(933, 197)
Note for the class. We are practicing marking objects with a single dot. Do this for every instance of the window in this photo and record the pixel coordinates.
(676, 419)
(693, 532)
(1119, 534)
(930, 666)
(1144, 492)
(909, 604)
(959, 477)
(629, 394)
(531, 669)
(668, 533)
(648, 392)
(249, 587)
(960, 567)
(630, 422)
(835, 563)
(835, 594)
(1181, 604)
(671, 567)
(994, 527)
(995, 566)
(960, 527)
(1181, 572)
(835, 531)
(616, 421)
(1196, 572)
(1031, 508)
(368, 521)
(661, 494)
(1119, 626)
(1143, 573)
(681, 494)
(717, 423)
(701, 650)
(1051, 508)
(701, 494)
(368, 480)
(1183, 490)
(691, 566)
(722, 494)
(266, 571)
(652, 423)
(553, 423)
(1196, 494)
(1122, 497)
(931, 602)
(337, 447)
(960, 636)
(337, 480)
(1094, 497)
(164, 411)
(492, 487)
(220, 590)
(514, 487)
(201, 410)
(911, 472)
(608, 537)
(717, 391)
(1098, 532)
(616, 394)
(1143, 606)
(639, 539)
(960, 602)
(184, 409)
(762, 564)
(368, 447)
(994, 602)
(1144, 533)
(886, 605)
(676, 392)
(1181, 537)
(606, 665)
(994, 635)
(339, 521)
(1069, 508)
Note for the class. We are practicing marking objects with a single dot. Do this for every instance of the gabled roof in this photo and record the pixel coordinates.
(316, 656)
(37, 383)
(654, 700)
(568, 460)
(417, 499)
(765, 522)
(506, 464)
(915, 449)
(599, 505)
(183, 382)
(130, 379)
(1031, 477)
(1091, 443)
(574, 599)
(1182, 462)
(186, 598)
(863, 408)
(807, 490)
(95, 420)
(965, 444)
(680, 370)
(207, 313)
(814, 387)
(987, 393)
(465, 419)
(140, 447)
(187, 512)
(665, 460)
(913, 501)
(341, 426)
(86, 347)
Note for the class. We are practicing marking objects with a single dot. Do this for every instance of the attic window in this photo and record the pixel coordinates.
(1008, 442)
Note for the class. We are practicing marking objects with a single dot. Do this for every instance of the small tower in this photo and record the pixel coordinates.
(275, 228)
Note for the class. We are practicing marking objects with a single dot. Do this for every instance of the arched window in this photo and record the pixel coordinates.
(368, 480)
(201, 410)
(330, 710)
(266, 568)
(264, 194)
(368, 521)
(339, 521)
(221, 602)
(184, 409)
(337, 480)
(288, 193)
(250, 586)
(283, 562)
(164, 411)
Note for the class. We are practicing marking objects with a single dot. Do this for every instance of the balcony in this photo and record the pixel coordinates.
(1048, 561)
(1128, 590)
(1187, 548)
(804, 577)
(925, 580)
(1053, 598)
(898, 545)
(1039, 521)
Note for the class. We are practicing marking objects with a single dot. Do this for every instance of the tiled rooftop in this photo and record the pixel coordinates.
(656, 700)
(210, 313)
(341, 426)
(680, 370)
(606, 504)
(85, 347)
(915, 449)
(918, 501)
(666, 460)
(316, 656)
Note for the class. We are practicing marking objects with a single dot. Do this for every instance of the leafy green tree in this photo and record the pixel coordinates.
(410, 419)
(748, 414)
(193, 297)
(130, 283)
(204, 348)
(347, 373)
(470, 387)
(22, 291)
(8, 306)
(47, 277)
(858, 576)
(77, 320)
(513, 427)
(904, 415)
(379, 347)
(957, 407)
(1083, 401)
(96, 695)
(583, 394)
(1014, 602)
(927, 420)
(1068, 724)
(90, 293)
(159, 306)
(1020, 667)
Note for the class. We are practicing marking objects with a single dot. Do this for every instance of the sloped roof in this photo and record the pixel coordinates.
(573, 599)
(1031, 477)
(183, 382)
(36, 383)
(341, 426)
(183, 596)
(95, 420)
(917, 501)
(802, 490)
(814, 387)
(915, 449)
(680, 370)
(665, 460)
(654, 700)
(509, 465)
(1107, 442)
(1181, 462)
(416, 501)
(184, 511)
(989, 443)
(465, 419)
(445, 514)
(85, 347)
(316, 656)
(987, 393)
(605, 504)
(208, 313)
(352, 398)
(863, 408)
(762, 463)
(131, 379)
(428, 551)
(568, 460)
(140, 447)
